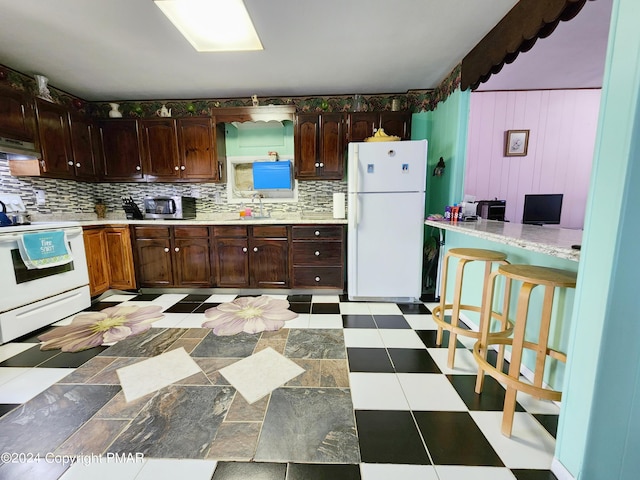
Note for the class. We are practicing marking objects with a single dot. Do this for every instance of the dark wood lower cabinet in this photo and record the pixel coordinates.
(154, 262)
(269, 266)
(232, 262)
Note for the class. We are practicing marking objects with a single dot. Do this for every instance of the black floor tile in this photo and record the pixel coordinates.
(145, 297)
(33, 336)
(524, 474)
(412, 360)
(6, 408)
(299, 298)
(72, 359)
(358, 321)
(99, 306)
(491, 398)
(325, 308)
(414, 308)
(549, 422)
(343, 297)
(249, 471)
(305, 471)
(389, 437)
(391, 321)
(453, 438)
(492, 358)
(428, 337)
(369, 360)
(181, 307)
(300, 307)
(29, 358)
(429, 297)
(203, 307)
(195, 298)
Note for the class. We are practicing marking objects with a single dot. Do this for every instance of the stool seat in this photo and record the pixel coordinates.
(531, 276)
(464, 256)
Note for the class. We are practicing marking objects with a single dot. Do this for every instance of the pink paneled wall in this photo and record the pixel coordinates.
(562, 126)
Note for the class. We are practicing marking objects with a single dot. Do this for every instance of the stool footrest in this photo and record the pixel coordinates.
(438, 317)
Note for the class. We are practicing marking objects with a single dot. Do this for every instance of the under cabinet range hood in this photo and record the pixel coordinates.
(18, 149)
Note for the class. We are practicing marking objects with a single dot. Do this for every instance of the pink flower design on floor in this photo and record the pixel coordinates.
(92, 329)
(249, 315)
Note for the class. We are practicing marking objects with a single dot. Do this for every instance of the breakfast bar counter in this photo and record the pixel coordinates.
(547, 239)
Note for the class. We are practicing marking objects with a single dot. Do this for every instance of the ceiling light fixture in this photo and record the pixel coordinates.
(212, 25)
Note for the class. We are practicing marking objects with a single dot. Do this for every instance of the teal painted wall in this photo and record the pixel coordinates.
(599, 428)
(563, 300)
(260, 141)
(445, 128)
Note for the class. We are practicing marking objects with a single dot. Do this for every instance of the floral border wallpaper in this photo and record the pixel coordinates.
(414, 100)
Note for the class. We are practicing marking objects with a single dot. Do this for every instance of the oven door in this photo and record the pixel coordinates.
(20, 286)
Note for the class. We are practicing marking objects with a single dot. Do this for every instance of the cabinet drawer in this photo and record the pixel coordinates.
(270, 231)
(301, 232)
(190, 232)
(230, 231)
(317, 277)
(151, 232)
(317, 253)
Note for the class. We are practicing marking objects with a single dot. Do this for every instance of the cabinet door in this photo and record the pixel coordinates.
(269, 263)
(121, 157)
(55, 139)
(17, 118)
(120, 255)
(396, 123)
(197, 149)
(84, 147)
(331, 146)
(191, 261)
(362, 125)
(154, 262)
(160, 147)
(307, 138)
(232, 265)
(97, 262)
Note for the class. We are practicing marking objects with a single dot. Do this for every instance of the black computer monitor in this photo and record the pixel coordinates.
(540, 209)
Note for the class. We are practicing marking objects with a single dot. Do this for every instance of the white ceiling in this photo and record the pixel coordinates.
(127, 50)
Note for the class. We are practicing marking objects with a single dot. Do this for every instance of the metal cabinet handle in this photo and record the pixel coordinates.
(166, 249)
(317, 253)
(244, 249)
(255, 249)
(176, 168)
(177, 249)
(317, 279)
(317, 233)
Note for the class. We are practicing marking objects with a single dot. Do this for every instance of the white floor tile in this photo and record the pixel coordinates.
(431, 305)
(221, 298)
(354, 308)
(118, 298)
(377, 391)
(105, 470)
(362, 338)
(301, 321)
(169, 320)
(421, 322)
(65, 321)
(159, 468)
(9, 373)
(325, 299)
(319, 320)
(8, 350)
(384, 309)
(464, 362)
(277, 296)
(535, 405)
(30, 383)
(375, 471)
(530, 445)
(400, 338)
(192, 320)
(430, 391)
(451, 472)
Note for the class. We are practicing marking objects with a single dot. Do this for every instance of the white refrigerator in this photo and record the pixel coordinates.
(386, 193)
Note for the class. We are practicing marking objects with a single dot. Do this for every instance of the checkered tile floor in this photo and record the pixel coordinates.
(415, 418)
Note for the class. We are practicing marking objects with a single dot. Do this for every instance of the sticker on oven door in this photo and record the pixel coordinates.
(370, 168)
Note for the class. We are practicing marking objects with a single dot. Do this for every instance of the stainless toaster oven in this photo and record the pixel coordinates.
(169, 207)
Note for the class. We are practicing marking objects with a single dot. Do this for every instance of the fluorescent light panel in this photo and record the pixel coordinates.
(212, 25)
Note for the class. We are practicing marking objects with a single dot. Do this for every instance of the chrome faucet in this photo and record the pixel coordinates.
(259, 197)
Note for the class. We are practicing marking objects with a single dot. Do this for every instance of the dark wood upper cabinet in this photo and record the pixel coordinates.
(319, 146)
(55, 140)
(201, 149)
(161, 161)
(121, 150)
(396, 123)
(85, 143)
(362, 125)
(17, 117)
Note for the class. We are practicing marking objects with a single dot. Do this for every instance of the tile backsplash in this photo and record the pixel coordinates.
(72, 198)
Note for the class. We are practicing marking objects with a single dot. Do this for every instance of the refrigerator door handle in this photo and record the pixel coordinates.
(354, 216)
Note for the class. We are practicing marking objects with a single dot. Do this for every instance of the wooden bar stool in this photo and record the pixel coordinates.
(531, 277)
(465, 256)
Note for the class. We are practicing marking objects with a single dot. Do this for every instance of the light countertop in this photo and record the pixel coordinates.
(548, 239)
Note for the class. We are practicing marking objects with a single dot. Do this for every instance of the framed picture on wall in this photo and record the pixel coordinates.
(516, 143)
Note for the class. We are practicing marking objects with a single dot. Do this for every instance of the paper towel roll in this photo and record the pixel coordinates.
(338, 205)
